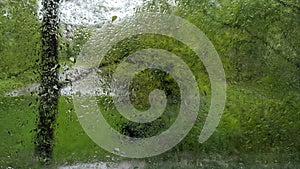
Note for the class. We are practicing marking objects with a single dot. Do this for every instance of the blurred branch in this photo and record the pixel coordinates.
(285, 4)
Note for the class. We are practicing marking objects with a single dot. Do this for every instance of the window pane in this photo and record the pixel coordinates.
(149, 84)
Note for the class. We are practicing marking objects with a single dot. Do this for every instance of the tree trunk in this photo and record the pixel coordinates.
(49, 90)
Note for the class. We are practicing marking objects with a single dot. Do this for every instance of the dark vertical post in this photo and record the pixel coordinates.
(49, 90)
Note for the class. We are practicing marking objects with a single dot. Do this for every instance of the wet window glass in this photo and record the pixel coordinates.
(149, 84)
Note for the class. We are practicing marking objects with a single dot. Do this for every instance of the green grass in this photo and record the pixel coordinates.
(17, 124)
(72, 143)
(17, 121)
(255, 131)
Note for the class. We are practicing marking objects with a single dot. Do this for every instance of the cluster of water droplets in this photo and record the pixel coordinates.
(98, 12)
